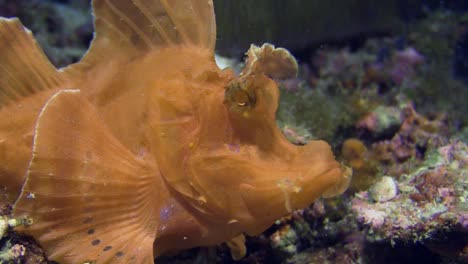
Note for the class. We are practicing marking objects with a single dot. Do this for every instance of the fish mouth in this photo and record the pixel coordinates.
(329, 183)
(286, 194)
(312, 174)
(322, 175)
(301, 191)
(256, 189)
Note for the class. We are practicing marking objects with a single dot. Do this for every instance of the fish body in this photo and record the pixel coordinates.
(145, 146)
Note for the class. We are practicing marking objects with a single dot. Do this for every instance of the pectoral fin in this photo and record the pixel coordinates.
(89, 198)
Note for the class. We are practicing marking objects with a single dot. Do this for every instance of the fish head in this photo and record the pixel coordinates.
(244, 171)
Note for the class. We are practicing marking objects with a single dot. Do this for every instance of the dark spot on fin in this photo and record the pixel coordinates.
(107, 248)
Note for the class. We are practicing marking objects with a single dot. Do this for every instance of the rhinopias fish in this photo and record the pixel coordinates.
(145, 146)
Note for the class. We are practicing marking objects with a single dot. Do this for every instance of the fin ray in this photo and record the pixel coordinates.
(130, 28)
(24, 68)
(129, 23)
(165, 37)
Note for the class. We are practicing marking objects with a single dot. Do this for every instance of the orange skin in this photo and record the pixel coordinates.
(133, 153)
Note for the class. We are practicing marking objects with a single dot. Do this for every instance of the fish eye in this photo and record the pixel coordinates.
(241, 98)
(240, 95)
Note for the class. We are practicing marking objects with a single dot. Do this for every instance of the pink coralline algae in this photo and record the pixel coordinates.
(404, 63)
(415, 135)
(410, 56)
(430, 199)
(380, 120)
(463, 220)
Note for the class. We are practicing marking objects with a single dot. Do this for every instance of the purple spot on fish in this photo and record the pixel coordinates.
(165, 213)
(234, 147)
(87, 220)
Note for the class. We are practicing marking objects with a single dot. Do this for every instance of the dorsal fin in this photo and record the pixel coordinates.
(27, 79)
(128, 28)
(89, 198)
(24, 68)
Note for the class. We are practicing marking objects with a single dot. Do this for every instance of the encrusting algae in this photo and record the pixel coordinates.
(145, 146)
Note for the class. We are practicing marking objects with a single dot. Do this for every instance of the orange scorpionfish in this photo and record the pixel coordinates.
(145, 146)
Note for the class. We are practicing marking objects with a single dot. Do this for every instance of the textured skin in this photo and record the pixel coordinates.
(146, 146)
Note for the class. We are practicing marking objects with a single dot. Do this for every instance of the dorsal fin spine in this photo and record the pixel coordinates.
(171, 15)
(154, 22)
(199, 26)
(44, 61)
(129, 22)
(24, 68)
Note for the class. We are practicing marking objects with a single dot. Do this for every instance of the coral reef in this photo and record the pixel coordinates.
(17, 248)
(430, 203)
(409, 187)
(416, 135)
